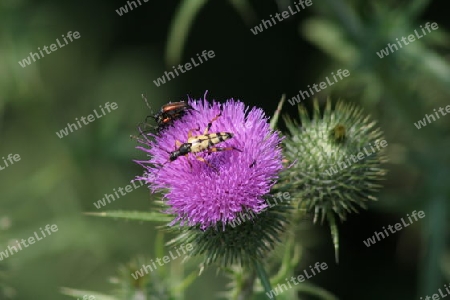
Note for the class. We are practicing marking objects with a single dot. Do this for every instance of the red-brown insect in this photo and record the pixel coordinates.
(168, 113)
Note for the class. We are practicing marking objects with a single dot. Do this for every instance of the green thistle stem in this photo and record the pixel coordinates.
(265, 282)
(246, 287)
(435, 231)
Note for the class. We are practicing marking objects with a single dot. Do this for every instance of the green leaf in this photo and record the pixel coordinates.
(184, 18)
(80, 293)
(274, 121)
(291, 259)
(188, 280)
(179, 30)
(319, 292)
(245, 10)
(132, 215)
(329, 37)
(159, 251)
(263, 277)
(415, 8)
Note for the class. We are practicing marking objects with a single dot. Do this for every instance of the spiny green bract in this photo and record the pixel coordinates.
(250, 238)
(337, 159)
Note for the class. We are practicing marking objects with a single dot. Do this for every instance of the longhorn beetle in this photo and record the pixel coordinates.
(168, 113)
(204, 142)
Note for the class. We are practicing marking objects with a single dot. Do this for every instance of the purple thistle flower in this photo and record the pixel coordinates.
(233, 182)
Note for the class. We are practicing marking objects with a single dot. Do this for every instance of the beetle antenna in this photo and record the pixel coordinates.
(148, 105)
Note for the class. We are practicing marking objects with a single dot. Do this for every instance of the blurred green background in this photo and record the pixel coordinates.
(116, 60)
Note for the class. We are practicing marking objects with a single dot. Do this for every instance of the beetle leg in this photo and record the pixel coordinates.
(210, 123)
(206, 162)
(218, 149)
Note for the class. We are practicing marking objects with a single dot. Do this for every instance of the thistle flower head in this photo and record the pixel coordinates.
(339, 157)
(209, 188)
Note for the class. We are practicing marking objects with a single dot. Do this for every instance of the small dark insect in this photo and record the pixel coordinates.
(168, 113)
(338, 133)
(204, 142)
